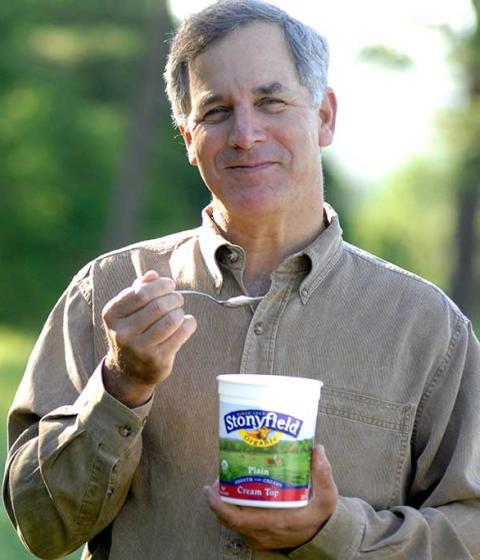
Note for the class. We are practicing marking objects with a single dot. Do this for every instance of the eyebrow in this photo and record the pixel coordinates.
(268, 89)
(209, 99)
(274, 87)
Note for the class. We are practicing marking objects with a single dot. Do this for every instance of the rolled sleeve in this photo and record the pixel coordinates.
(107, 418)
(340, 537)
(74, 448)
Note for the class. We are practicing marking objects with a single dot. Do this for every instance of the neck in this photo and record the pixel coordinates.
(267, 242)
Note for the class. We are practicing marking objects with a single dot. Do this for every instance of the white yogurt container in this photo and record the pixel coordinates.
(266, 428)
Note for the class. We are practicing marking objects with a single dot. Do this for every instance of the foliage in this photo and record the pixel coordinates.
(68, 73)
(427, 216)
(386, 57)
(409, 221)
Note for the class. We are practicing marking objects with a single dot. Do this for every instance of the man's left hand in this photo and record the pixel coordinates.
(265, 528)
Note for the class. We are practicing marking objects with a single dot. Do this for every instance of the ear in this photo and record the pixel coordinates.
(327, 113)
(187, 138)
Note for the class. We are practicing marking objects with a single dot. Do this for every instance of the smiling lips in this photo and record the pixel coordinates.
(250, 167)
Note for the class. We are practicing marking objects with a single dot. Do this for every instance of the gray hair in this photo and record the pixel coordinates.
(309, 49)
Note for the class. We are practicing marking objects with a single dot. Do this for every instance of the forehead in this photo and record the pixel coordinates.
(246, 58)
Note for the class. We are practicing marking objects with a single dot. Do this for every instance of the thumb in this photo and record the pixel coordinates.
(324, 489)
(145, 278)
(149, 276)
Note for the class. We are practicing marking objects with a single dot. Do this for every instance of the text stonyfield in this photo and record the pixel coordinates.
(257, 419)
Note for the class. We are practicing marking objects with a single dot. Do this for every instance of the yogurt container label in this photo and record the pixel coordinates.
(265, 455)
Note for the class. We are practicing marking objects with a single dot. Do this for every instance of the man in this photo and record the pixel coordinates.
(113, 429)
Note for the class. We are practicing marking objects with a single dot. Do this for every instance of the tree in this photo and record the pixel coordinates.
(68, 75)
(452, 189)
(465, 275)
(149, 111)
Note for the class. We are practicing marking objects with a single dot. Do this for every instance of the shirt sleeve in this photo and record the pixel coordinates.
(73, 447)
(441, 514)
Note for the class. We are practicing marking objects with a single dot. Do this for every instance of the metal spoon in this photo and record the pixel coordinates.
(236, 301)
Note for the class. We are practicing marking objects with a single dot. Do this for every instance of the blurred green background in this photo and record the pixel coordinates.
(90, 162)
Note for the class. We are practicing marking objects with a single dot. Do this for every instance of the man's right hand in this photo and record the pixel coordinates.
(146, 327)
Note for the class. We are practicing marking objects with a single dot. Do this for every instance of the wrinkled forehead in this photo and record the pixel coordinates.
(250, 55)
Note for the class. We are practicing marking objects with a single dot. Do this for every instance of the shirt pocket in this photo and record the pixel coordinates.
(367, 441)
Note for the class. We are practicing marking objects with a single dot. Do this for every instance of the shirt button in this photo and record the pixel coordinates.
(232, 257)
(125, 431)
(235, 546)
(110, 490)
(259, 328)
(304, 292)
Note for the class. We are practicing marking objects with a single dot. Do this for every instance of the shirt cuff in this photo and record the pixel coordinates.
(340, 537)
(113, 423)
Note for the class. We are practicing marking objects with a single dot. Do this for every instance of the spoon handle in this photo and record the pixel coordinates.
(237, 301)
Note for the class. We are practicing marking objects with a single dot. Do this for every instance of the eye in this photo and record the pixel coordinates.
(272, 104)
(216, 115)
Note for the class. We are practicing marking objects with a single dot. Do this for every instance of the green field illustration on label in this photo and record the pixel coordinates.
(287, 462)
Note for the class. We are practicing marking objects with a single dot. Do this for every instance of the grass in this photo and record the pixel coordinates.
(15, 347)
(289, 466)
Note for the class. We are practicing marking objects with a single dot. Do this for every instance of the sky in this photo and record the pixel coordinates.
(385, 116)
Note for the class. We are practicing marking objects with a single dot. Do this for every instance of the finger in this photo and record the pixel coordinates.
(324, 489)
(173, 344)
(227, 513)
(147, 277)
(163, 328)
(247, 520)
(136, 297)
(140, 321)
(165, 352)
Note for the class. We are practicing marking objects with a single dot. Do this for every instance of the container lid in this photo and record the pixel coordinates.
(251, 385)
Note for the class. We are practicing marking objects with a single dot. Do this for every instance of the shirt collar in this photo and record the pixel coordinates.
(212, 243)
(323, 253)
(318, 257)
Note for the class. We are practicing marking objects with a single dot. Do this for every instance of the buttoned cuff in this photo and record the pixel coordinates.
(340, 537)
(106, 418)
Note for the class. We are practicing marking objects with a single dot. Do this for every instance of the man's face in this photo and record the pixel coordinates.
(253, 130)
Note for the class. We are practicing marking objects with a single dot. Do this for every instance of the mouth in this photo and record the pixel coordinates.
(251, 167)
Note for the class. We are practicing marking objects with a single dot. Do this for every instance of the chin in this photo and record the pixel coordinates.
(255, 197)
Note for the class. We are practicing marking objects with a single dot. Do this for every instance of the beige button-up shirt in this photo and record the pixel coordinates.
(399, 414)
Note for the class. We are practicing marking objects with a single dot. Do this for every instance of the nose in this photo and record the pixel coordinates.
(246, 129)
